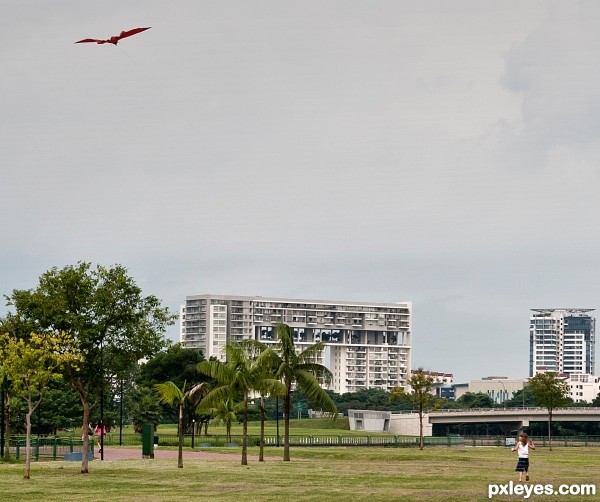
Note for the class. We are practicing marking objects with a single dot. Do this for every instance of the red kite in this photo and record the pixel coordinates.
(114, 40)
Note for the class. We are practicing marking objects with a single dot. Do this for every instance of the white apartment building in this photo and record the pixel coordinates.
(583, 387)
(562, 341)
(367, 345)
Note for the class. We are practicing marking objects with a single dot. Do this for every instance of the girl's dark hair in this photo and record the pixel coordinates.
(523, 437)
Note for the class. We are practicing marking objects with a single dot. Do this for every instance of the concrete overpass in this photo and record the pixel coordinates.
(516, 418)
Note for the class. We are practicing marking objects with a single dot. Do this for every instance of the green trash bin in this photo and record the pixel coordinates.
(147, 441)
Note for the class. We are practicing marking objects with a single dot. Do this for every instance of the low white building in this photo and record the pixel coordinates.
(401, 424)
(499, 389)
(583, 387)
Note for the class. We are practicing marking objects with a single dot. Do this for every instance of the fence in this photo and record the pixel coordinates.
(55, 447)
(46, 448)
(538, 440)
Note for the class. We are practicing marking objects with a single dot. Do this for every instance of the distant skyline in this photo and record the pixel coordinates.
(443, 153)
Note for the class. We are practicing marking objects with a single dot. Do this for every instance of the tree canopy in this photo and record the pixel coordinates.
(104, 312)
(550, 391)
(420, 394)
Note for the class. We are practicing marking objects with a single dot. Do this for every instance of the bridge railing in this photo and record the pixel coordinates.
(580, 410)
(540, 441)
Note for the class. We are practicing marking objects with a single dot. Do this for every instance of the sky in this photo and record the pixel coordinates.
(443, 153)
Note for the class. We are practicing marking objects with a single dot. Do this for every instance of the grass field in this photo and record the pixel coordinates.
(314, 474)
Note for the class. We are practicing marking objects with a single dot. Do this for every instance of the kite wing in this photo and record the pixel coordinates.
(91, 40)
(135, 31)
(114, 40)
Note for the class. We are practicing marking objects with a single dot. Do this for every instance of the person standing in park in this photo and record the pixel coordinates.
(522, 448)
(90, 431)
(100, 433)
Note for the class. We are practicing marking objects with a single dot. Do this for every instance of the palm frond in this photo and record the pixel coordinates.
(169, 393)
(310, 386)
(214, 398)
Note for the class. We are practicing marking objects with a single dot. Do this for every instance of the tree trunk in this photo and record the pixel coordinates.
(263, 417)
(85, 436)
(550, 429)
(28, 443)
(7, 423)
(421, 440)
(286, 421)
(245, 431)
(180, 454)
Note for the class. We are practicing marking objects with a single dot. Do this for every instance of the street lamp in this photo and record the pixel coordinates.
(504, 394)
(2, 415)
(277, 417)
(101, 428)
(121, 415)
(193, 431)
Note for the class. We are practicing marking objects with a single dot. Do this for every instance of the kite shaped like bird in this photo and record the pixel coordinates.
(114, 40)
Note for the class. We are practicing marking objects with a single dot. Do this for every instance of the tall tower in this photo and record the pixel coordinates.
(562, 340)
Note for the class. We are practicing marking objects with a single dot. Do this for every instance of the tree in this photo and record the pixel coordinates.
(105, 313)
(144, 407)
(474, 400)
(31, 364)
(178, 365)
(523, 398)
(420, 384)
(225, 412)
(300, 369)
(169, 393)
(550, 392)
(243, 371)
(266, 385)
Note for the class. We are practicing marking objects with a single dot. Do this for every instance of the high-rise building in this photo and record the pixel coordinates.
(562, 340)
(367, 345)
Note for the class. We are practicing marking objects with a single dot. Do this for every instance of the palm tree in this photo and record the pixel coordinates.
(225, 412)
(242, 372)
(267, 385)
(299, 369)
(169, 393)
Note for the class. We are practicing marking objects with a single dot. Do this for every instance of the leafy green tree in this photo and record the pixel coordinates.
(474, 400)
(521, 398)
(596, 401)
(60, 409)
(550, 392)
(300, 369)
(144, 407)
(175, 364)
(243, 371)
(369, 399)
(420, 394)
(30, 364)
(169, 393)
(105, 313)
(178, 365)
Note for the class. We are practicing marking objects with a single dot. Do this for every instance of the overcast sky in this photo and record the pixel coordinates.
(439, 152)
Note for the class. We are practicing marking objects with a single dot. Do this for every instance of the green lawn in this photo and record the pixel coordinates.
(305, 426)
(314, 474)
